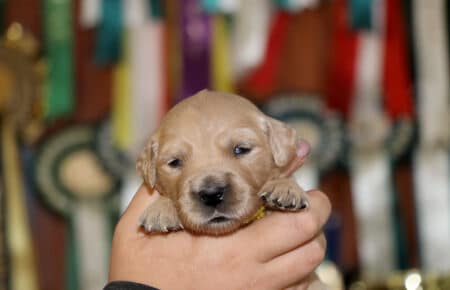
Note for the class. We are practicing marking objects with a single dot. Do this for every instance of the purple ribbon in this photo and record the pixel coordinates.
(195, 41)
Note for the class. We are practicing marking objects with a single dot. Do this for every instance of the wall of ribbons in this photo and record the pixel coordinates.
(83, 83)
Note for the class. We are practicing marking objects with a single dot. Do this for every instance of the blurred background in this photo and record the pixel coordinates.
(83, 83)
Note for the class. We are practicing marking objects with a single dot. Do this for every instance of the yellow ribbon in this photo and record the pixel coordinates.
(22, 264)
(220, 62)
(121, 108)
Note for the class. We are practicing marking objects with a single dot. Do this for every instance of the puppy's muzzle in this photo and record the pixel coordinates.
(212, 191)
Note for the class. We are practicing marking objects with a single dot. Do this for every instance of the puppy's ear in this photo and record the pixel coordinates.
(282, 140)
(146, 163)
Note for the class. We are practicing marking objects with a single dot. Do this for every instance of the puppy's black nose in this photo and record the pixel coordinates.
(212, 195)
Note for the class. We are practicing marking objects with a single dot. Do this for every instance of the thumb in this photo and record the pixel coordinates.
(302, 152)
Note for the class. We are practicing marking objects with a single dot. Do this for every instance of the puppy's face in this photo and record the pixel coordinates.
(211, 156)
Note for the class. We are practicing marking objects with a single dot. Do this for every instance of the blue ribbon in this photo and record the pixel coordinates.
(361, 14)
(108, 46)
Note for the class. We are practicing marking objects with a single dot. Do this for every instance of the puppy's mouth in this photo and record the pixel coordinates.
(219, 218)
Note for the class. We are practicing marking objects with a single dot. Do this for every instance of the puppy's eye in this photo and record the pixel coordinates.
(175, 163)
(241, 150)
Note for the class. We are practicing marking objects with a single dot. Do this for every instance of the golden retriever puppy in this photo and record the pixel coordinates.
(216, 159)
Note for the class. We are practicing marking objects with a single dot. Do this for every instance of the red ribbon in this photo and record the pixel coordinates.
(344, 45)
(396, 80)
(261, 83)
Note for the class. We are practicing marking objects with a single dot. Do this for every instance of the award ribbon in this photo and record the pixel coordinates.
(90, 13)
(92, 82)
(431, 158)
(156, 9)
(145, 91)
(59, 99)
(369, 160)
(121, 112)
(249, 36)
(211, 6)
(146, 81)
(195, 41)
(344, 45)
(109, 32)
(220, 62)
(261, 82)
(135, 13)
(122, 122)
(398, 102)
(322, 131)
(72, 181)
(23, 273)
(361, 13)
(305, 52)
(224, 6)
(173, 57)
(297, 5)
(302, 68)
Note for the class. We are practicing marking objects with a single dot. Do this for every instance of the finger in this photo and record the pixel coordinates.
(300, 263)
(279, 233)
(303, 149)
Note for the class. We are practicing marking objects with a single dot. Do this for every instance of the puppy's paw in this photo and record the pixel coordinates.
(161, 216)
(284, 194)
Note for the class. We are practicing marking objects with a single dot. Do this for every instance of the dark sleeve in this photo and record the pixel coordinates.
(125, 285)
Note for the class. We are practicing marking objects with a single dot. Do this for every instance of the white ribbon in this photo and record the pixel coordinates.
(373, 211)
(90, 13)
(146, 84)
(433, 78)
(249, 35)
(134, 12)
(431, 168)
(431, 160)
(307, 176)
(92, 236)
(147, 81)
(130, 186)
(228, 6)
(369, 162)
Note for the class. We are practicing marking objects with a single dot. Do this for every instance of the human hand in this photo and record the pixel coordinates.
(276, 252)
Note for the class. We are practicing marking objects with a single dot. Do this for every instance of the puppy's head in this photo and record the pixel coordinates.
(211, 155)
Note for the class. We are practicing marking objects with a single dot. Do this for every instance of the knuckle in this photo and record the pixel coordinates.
(307, 224)
(322, 199)
(317, 251)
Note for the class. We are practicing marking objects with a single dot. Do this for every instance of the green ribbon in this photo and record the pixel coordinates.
(361, 14)
(109, 33)
(284, 4)
(71, 274)
(58, 31)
